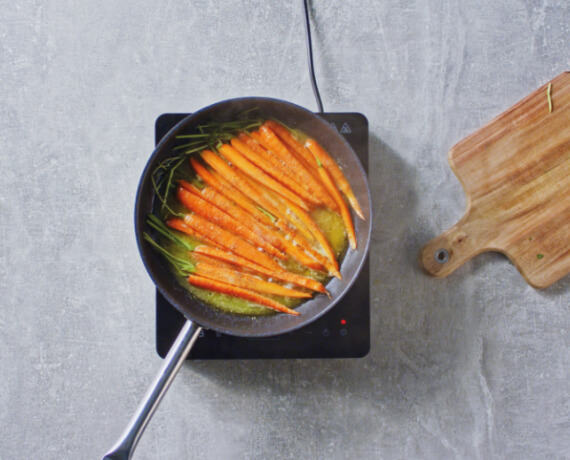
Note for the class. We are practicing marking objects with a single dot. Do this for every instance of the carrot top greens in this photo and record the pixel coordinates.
(205, 136)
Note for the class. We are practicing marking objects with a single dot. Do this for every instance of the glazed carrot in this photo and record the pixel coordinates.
(226, 171)
(215, 215)
(178, 224)
(305, 253)
(271, 142)
(285, 135)
(273, 171)
(257, 140)
(225, 288)
(307, 221)
(302, 153)
(250, 141)
(230, 241)
(253, 142)
(233, 193)
(344, 212)
(336, 173)
(240, 183)
(276, 214)
(243, 164)
(288, 222)
(310, 258)
(229, 192)
(282, 275)
(332, 264)
(215, 197)
(244, 280)
(215, 279)
(270, 236)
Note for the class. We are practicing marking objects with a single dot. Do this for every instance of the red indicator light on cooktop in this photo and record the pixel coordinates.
(343, 321)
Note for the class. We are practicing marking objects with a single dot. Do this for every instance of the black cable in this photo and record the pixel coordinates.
(310, 57)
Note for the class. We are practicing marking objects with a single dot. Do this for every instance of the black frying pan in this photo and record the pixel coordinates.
(197, 312)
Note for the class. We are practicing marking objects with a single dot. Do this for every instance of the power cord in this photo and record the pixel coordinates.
(310, 56)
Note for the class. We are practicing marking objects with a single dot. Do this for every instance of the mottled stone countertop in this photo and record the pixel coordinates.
(474, 366)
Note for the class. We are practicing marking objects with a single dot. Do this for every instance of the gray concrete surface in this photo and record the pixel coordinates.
(475, 366)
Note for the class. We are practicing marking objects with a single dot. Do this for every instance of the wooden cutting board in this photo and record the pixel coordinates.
(516, 174)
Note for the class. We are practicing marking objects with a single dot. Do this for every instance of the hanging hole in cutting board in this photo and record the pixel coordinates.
(441, 256)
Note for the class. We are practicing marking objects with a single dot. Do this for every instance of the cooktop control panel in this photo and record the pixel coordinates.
(344, 332)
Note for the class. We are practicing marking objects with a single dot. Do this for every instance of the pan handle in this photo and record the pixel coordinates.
(124, 447)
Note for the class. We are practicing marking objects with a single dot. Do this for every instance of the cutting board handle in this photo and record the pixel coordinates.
(446, 253)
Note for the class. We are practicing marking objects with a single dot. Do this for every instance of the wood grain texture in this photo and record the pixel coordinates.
(516, 174)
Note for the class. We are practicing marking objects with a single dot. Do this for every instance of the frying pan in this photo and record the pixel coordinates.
(198, 314)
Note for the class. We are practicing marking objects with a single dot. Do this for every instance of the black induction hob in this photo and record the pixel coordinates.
(344, 332)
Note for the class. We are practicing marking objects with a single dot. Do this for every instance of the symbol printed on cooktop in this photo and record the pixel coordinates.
(345, 129)
(334, 126)
(326, 332)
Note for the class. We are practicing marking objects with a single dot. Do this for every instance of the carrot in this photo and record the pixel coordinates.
(213, 196)
(297, 148)
(336, 173)
(276, 214)
(270, 141)
(226, 288)
(229, 192)
(178, 224)
(278, 162)
(243, 164)
(331, 264)
(286, 221)
(282, 275)
(253, 142)
(273, 171)
(305, 254)
(307, 222)
(344, 212)
(238, 181)
(285, 135)
(215, 215)
(270, 236)
(209, 278)
(230, 241)
(244, 280)
(284, 168)
(232, 192)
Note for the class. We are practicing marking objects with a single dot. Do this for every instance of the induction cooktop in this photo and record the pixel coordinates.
(344, 332)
